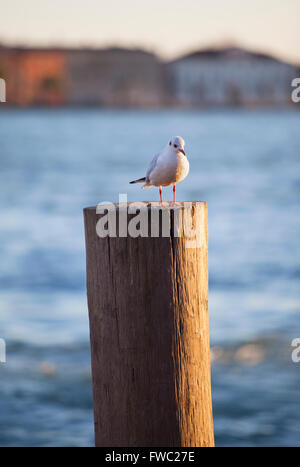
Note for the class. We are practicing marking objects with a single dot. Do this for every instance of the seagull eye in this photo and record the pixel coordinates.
(170, 143)
(175, 146)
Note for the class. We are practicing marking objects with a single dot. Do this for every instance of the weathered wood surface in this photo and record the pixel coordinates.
(148, 310)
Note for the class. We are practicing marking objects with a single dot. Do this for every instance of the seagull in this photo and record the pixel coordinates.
(168, 167)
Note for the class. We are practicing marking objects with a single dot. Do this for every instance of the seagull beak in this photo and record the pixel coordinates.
(182, 150)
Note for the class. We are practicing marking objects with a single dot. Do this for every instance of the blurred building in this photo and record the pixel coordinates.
(116, 77)
(33, 76)
(104, 77)
(229, 76)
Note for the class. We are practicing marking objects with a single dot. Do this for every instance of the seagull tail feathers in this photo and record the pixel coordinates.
(140, 180)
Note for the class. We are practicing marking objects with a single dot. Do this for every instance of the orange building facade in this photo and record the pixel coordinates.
(33, 77)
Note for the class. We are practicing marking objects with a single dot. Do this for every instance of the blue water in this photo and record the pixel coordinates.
(245, 164)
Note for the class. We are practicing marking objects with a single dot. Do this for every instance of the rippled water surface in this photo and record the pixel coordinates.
(246, 165)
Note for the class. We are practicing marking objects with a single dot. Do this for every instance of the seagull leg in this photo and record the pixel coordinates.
(174, 202)
(160, 194)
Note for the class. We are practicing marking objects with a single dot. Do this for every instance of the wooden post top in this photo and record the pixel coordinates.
(150, 219)
(167, 205)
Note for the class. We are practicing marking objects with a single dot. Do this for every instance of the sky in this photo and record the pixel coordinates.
(166, 27)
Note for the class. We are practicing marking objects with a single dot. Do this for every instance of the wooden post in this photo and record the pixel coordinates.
(148, 310)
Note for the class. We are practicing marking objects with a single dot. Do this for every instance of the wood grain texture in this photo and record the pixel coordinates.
(148, 311)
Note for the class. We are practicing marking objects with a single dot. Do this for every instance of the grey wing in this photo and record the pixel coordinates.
(152, 166)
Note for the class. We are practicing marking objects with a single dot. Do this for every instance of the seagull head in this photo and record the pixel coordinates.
(177, 144)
